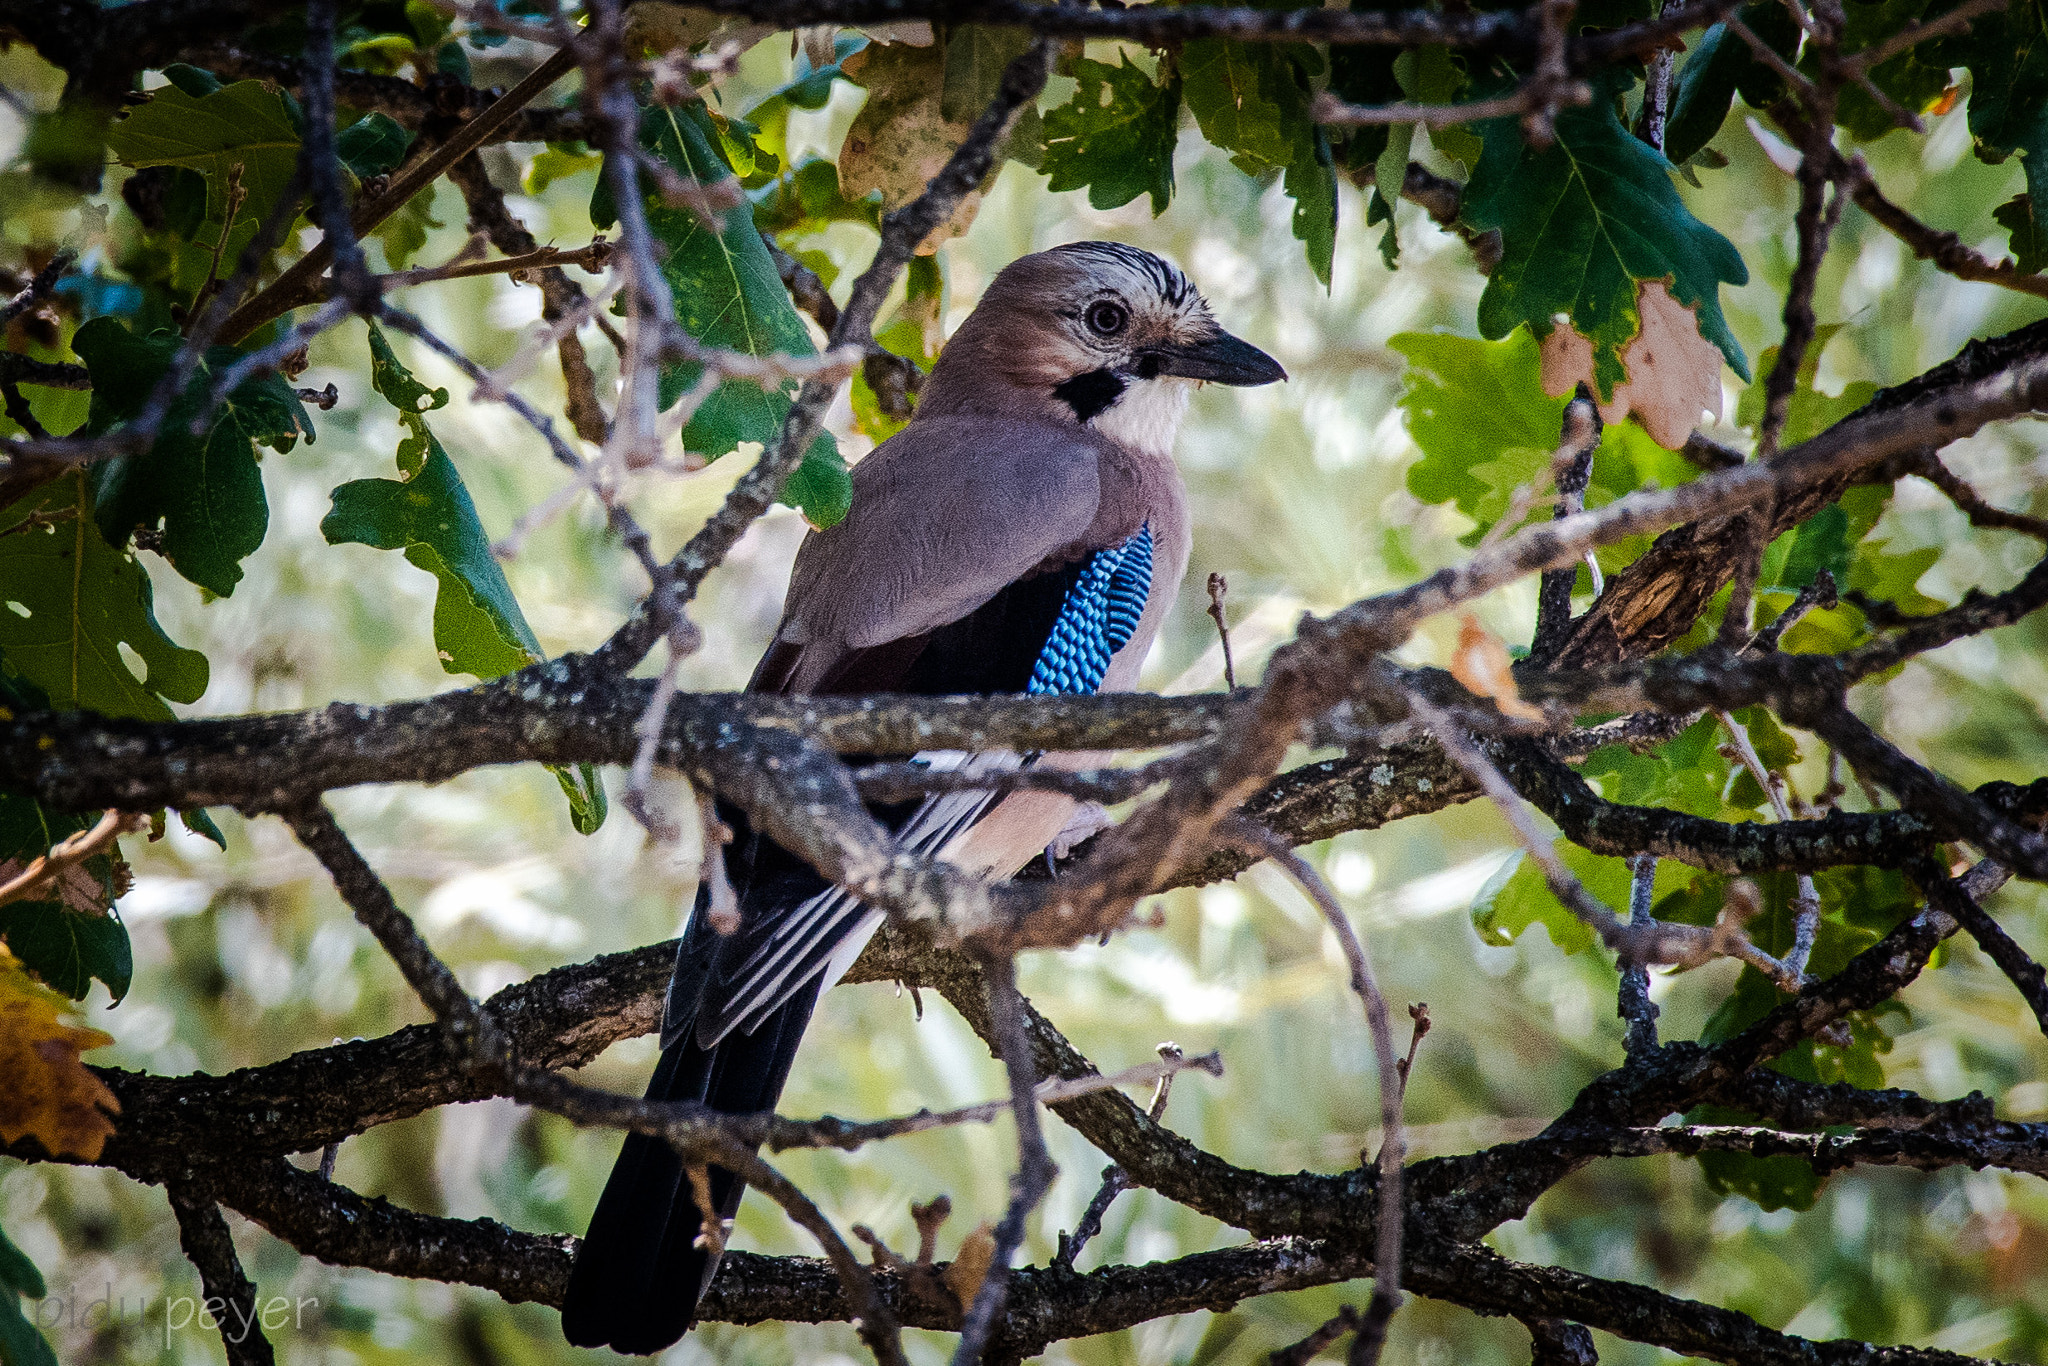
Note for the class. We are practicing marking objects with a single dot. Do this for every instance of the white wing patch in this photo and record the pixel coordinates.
(826, 934)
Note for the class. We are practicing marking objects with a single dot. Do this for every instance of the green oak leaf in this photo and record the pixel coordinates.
(204, 488)
(20, 1343)
(396, 386)
(1364, 74)
(2007, 56)
(17, 1273)
(69, 949)
(810, 89)
(203, 825)
(976, 56)
(558, 162)
(1915, 78)
(1311, 180)
(809, 200)
(27, 828)
(1859, 905)
(1115, 136)
(69, 938)
(428, 514)
(1252, 100)
(1810, 412)
(728, 294)
(1478, 413)
(1432, 75)
(404, 233)
(1778, 1182)
(2027, 232)
(1581, 223)
(69, 601)
(373, 145)
(1517, 897)
(478, 628)
(1705, 93)
(247, 125)
(1240, 95)
(1687, 773)
(1390, 170)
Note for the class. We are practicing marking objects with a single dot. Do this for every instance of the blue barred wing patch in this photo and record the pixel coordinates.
(1097, 619)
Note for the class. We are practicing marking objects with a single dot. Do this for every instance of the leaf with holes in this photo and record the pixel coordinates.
(428, 514)
(1581, 223)
(203, 488)
(1115, 136)
(70, 604)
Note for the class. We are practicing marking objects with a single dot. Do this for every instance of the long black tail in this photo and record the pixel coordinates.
(639, 1273)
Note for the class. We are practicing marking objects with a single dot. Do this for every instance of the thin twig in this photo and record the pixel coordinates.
(1972, 504)
(594, 257)
(1115, 1180)
(1820, 593)
(1806, 904)
(1218, 587)
(39, 286)
(1386, 1291)
(69, 852)
(1346, 1320)
(1035, 1167)
(300, 281)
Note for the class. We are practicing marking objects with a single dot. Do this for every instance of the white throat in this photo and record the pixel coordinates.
(1146, 416)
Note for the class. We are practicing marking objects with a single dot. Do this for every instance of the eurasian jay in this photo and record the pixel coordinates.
(1026, 532)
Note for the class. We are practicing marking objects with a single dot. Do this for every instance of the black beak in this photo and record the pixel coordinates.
(1222, 359)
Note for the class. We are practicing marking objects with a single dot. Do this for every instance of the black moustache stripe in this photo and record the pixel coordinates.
(1090, 395)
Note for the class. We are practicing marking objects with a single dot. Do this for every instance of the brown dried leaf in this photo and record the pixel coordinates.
(1482, 664)
(657, 26)
(1674, 373)
(48, 1094)
(964, 1275)
(901, 138)
(75, 886)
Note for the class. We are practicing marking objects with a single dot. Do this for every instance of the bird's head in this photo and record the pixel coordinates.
(1097, 333)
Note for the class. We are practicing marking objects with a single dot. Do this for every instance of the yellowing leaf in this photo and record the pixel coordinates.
(902, 138)
(656, 26)
(49, 1095)
(965, 1273)
(1482, 664)
(1674, 373)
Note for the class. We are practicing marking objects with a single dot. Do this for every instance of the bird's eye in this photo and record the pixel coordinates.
(1106, 319)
